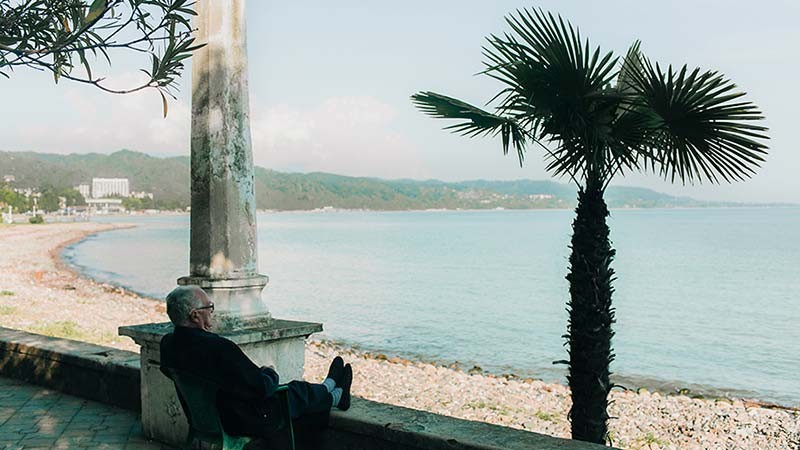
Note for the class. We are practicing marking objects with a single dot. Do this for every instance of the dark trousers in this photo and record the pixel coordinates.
(308, 398)
(309, 406)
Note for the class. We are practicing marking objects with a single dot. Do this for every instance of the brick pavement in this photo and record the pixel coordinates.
(34, 417)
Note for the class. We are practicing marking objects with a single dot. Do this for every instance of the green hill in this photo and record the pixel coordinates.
(168, 180)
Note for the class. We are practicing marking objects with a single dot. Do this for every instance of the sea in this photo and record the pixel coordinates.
(706, 299)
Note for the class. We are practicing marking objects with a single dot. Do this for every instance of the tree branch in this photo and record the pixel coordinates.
(65, 30)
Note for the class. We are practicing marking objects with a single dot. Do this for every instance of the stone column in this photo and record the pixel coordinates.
(224, 252)
(224, 249)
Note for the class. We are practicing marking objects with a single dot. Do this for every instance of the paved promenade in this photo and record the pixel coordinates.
(33, 417)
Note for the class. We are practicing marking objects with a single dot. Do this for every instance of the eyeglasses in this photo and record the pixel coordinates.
(210, 306)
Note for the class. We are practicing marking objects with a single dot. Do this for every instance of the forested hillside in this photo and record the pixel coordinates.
(168, 180)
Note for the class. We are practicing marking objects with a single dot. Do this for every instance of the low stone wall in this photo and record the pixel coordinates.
(112, 376)
(85, 370)
(370, 425)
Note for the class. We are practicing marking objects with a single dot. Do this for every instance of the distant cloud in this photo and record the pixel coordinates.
(347, 135)
(98, 122)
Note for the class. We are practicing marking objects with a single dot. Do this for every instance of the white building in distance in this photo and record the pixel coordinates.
(84, 189)
(142, 195)
(104, 205)
(108, 187)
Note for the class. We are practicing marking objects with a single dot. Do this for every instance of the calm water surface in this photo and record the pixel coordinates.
(706, 298)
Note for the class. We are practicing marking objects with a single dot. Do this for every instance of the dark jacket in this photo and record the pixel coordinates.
(244, 401)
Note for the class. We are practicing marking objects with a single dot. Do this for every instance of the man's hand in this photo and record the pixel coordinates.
(271, 378)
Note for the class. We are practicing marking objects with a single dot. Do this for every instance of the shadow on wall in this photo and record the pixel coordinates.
(78, 368)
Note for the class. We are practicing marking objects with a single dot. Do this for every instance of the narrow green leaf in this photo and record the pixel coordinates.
(96, 10)
(82, 56)
(164, 103)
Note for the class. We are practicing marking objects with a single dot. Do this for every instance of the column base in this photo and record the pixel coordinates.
(280, 343)
(238, 303)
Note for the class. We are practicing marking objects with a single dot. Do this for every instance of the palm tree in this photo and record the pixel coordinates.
(597, 116)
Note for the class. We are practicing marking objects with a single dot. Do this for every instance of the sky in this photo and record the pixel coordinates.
(330, 85)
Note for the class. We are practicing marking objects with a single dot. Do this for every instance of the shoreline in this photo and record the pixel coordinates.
(53, 292)
(663, 387)
(451, 210)
(57, 253)
(378, 355)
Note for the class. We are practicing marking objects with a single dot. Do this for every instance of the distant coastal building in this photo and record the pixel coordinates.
(104, 205)
(142, 195)
(27, 192)
(84, 189)
(108, 187)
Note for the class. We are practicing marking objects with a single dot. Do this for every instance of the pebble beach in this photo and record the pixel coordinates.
(38, 293)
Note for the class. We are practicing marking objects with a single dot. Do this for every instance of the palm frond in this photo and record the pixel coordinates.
(550, 72)
(566, 159)
(556, 85)
(700, 128)
(476, 122)
(631, 65)
(630, 128)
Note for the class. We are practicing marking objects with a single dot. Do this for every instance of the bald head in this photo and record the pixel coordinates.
(181, 301)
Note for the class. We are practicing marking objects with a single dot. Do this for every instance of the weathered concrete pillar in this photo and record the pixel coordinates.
(224, 251)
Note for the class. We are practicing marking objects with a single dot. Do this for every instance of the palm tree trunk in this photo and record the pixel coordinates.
(590, 315)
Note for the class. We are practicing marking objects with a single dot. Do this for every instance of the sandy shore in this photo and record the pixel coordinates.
(38, 293)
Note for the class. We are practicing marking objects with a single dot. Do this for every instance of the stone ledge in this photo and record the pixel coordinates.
(225, 283)
(371, 424)
(276, 329)
(112, 376)
(90, 371)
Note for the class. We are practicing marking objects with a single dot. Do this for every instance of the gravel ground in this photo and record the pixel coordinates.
(38, 293)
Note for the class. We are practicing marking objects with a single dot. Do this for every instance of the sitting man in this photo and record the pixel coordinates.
(245, 403)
